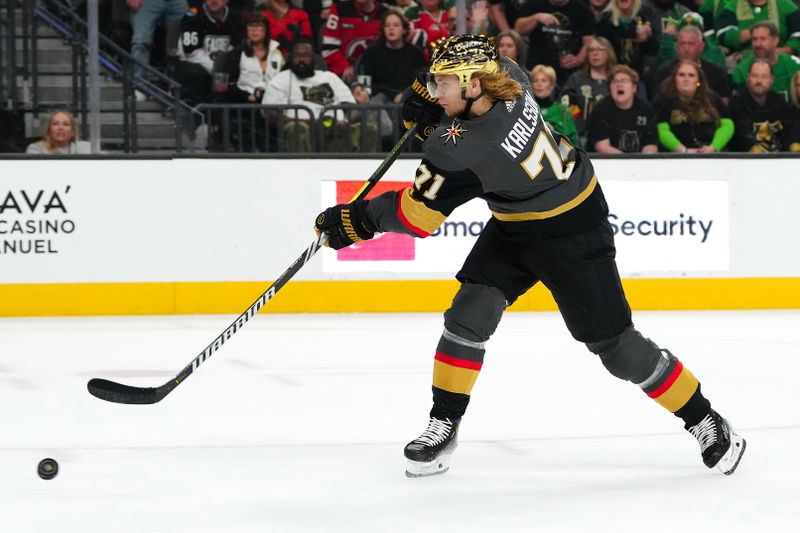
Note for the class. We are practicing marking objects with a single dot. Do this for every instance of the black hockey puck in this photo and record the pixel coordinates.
(48, 468)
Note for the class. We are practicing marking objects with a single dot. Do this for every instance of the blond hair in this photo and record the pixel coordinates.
(47, 140)
(499, 85)
(616, 12)
(547, 71)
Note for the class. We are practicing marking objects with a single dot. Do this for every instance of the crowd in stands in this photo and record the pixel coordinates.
(613, 75)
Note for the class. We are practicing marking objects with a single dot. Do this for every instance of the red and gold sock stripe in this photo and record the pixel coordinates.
(676, 390)
(453, 374)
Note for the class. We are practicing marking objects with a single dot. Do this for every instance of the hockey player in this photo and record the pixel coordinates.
(549, 224)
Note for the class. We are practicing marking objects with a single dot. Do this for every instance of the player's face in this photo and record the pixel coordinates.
(690, 46)
(393, 29)
(256, 33)
(507, 48)
(687, 79)
(622, 90)
(61, 130)
(759, 79)
(598, 54)
(542, 86)
(447, 89)
(762, 42)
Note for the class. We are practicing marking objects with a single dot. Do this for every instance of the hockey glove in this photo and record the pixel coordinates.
(421, 108)
(345, 224)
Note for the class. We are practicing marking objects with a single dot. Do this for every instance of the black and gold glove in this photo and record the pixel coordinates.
(421, 108)
(345, 224)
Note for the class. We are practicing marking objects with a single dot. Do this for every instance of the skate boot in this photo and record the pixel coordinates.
(720, 445)
(429, 453)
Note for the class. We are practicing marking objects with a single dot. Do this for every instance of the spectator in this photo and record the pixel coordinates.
(286, 22)
(623, 123)
(375, 123)
(60, 136)
(668, 16)
(391, 63)
(559, 33)
(633, 29)
(511, 45)
(794, 91)
(145, 16)
(204, 37)
(765, 45)
(691, 117)
(352, 26)
(303, 85)
(690, 47)
(554, 113)
(586, 87)
(711, 53)
(250, 66)
(428, 23)
(738, 17)
(764, 121)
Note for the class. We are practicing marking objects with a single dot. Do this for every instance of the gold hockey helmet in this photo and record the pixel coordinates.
(464, 55)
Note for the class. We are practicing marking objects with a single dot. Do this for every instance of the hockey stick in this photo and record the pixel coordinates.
(119, 393)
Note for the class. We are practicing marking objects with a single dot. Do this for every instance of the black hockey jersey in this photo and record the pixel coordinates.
(507, 156)
(202, 37)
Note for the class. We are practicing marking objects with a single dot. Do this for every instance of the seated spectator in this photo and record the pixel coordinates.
(711, 53)
(632, 28)
(250, 66)
(241, 76)
(428, 23)
(145, 16)
(764, 121)
(303, 85)
(402, 6)
(765, 45)
(559, 33)
(794, 91)
(504, 14)
(623, 123)
(352, 26)
(690, 48)
(554, 113)
(375, 124)
(735, 22)
(511, 45)
(586, 87)
(668, 16)
(391, 63)
(597, 7)
(286, 22)
(691, 118)
(204, 37)
(60, 136)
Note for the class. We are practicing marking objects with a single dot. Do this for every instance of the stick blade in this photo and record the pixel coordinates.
(111, 391)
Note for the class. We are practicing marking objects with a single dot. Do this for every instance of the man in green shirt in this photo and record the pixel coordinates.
(738, 17)
(765, 45)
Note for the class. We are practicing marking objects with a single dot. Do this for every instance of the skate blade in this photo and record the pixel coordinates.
(419, 469)
(731, 459)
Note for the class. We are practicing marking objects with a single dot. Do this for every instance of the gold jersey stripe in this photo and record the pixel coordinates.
(539, 215)
(679, 393)
(420, 215)
(452, 378)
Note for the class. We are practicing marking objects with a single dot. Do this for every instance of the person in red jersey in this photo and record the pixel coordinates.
(351, 27)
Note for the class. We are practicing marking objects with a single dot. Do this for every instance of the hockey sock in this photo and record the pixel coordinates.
(676, 389)
(455, 370)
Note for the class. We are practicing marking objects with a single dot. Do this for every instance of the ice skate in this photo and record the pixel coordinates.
(429, 454)
(720, 445)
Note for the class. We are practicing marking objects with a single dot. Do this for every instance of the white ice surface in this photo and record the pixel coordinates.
(299, 422)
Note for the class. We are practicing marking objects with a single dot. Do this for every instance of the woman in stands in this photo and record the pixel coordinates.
(392, 62)
(511, 45)
(587, 86)
(60, 136)
(553, 112)
(691, 117)
(633, 29)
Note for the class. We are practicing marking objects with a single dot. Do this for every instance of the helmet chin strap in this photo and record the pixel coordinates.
(470, 100)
